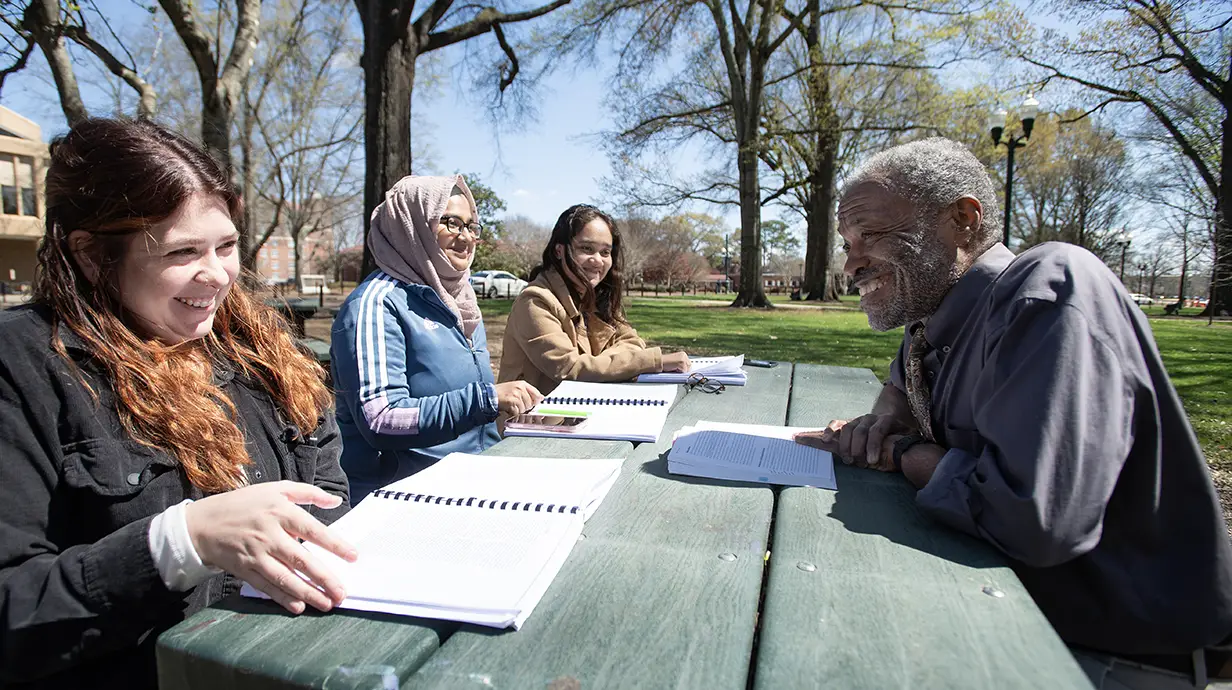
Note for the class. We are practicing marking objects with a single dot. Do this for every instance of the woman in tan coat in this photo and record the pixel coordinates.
(569, 323)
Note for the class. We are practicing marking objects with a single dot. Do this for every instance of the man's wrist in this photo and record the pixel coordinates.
(902, 445)
(920, 461)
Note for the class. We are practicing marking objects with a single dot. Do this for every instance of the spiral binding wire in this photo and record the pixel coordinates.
(525, 506)
(600, 401)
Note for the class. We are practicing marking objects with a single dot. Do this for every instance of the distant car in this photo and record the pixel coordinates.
(1141, 299)
(497, 284)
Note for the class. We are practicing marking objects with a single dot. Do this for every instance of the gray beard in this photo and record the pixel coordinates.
(921, 281)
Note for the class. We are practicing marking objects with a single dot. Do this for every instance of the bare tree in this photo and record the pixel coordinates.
(860, 75)
(523, 241)
(1076, 186)
(393, 41)
(221, 79)
(299, 130)
(1157, 260)
(47, 24)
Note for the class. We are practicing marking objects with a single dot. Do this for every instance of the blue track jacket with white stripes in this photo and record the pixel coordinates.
(409, 389)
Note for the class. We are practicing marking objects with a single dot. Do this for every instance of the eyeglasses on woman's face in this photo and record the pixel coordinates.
(456, 225)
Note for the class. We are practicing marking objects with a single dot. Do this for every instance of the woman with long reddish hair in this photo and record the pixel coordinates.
(158, 425)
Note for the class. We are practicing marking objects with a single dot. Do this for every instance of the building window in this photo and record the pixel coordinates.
(8, 186)
(274, 266)
(17, 185)
(25, 185)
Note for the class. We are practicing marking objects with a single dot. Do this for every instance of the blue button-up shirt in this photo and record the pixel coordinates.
(1069, 450)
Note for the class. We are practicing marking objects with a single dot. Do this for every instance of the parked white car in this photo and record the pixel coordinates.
(1141, 299)
(497, 284)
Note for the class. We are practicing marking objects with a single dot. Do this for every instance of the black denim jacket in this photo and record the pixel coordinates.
(81, 601)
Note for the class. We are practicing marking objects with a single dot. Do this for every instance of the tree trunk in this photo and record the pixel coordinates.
(820, 219)
(1180, 288)
(1221, 270)
(42, 20)
(297, 244)
(1222, 287)
(217, 111)
(751, 293)
(248, 248)
(389, 81)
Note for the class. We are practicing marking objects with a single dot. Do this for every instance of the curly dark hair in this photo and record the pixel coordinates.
(605, 299)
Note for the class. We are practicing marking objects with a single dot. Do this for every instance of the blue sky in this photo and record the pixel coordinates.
(539, 170)
(542, 169)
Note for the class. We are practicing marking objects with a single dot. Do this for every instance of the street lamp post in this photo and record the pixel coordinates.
(996, 126)
(726, 274)
(1123, 240)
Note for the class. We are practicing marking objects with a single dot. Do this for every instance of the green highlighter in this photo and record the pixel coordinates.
(562, 412)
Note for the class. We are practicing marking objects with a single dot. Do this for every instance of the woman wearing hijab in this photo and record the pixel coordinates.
(412, 373)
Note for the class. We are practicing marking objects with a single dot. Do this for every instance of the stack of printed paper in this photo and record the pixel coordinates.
(749, 453)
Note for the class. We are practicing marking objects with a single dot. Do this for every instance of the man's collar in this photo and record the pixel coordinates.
(943, 326)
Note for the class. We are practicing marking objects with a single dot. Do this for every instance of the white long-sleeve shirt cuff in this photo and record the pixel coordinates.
(178, 563)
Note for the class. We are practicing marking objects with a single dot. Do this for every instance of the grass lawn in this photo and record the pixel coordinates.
(1198, 356)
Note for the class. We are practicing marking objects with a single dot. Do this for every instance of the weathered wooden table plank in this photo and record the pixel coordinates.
(662, 591)
(245, 643)
(864, 591)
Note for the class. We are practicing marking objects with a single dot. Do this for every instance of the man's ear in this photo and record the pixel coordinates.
(81, 247)
(966, 214)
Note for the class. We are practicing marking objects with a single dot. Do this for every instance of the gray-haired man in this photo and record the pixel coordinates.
(1029, 405)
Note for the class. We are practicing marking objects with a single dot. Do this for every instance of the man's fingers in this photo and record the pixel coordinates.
(822, 438)
(851, 441)
(876, 434)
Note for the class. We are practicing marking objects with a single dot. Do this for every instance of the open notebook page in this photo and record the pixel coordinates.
(447, 557)
(752, 452)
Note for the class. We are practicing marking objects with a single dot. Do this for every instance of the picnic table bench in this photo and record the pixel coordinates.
(685, 582)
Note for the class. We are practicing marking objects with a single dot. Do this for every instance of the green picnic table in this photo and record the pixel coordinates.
(690, 583)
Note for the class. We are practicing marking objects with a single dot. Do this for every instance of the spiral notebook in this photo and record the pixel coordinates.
(472, 538)
(615, 411)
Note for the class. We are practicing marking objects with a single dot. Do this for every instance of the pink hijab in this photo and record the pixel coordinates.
(403, 242)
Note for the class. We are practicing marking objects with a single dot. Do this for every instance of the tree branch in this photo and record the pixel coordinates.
(19, 64)
(196, 41)
(482, 23)
(506, 77)
(147, 98)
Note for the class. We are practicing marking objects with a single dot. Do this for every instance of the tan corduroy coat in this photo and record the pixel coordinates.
(547, 341)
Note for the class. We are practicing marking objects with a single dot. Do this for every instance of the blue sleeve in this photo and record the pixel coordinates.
(388, 414)
(1056, 410)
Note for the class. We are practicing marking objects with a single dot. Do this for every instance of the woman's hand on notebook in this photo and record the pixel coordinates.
(516, 397)
(253, 534)
(675, 361)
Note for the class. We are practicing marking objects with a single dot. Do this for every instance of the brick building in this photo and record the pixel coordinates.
(276, 258)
